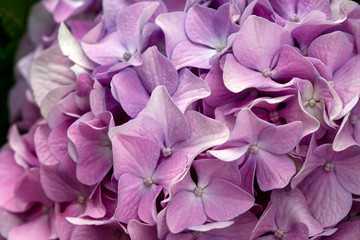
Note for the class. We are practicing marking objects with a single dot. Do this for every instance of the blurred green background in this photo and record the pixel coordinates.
(13, 15)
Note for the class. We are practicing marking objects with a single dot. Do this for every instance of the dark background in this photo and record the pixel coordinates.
(13, 15)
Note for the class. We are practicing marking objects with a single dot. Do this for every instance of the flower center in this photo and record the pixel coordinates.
(197, 233)
(148, 181)
(312, 102)
(274, 116)
(45, 209)
(254, 149)
(294, 18)
(166, 152)
(329, 166)
(127, 56)
(266, 72)
(81, 199)
(353, 119)
(198, 192)
(279, 233)
(219, 48)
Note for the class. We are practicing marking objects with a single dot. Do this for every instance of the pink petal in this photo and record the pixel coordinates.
(344, 137)
(140, 231)
(162, 108)
(187, 53)
(204, 133)
(134, 155)
(37, 229)
(50, 70)
(273, 170)
(197, 26)
(280, 139)
(180, 216)
(292, 64)
(346, 80)
(127, 89)
(328, 201)
(189, 90)
(224, 200)
(130, 191)
(257, 42)
(130, 22)
(333, 49)
(347, 169)
(173, 26)
(157, 70)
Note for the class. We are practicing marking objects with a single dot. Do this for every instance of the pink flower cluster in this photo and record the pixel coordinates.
(185, 119)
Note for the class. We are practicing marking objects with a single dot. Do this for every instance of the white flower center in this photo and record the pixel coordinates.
(274, 116)
(353, 119)
(219, 48)
(148, 181)
(266, 72)
(254, 149)
(312, 102)
(198, 192)
(166, 152)
(329, 166)
(279, 233)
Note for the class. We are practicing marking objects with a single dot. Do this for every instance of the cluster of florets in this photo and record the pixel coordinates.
(185, 119)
